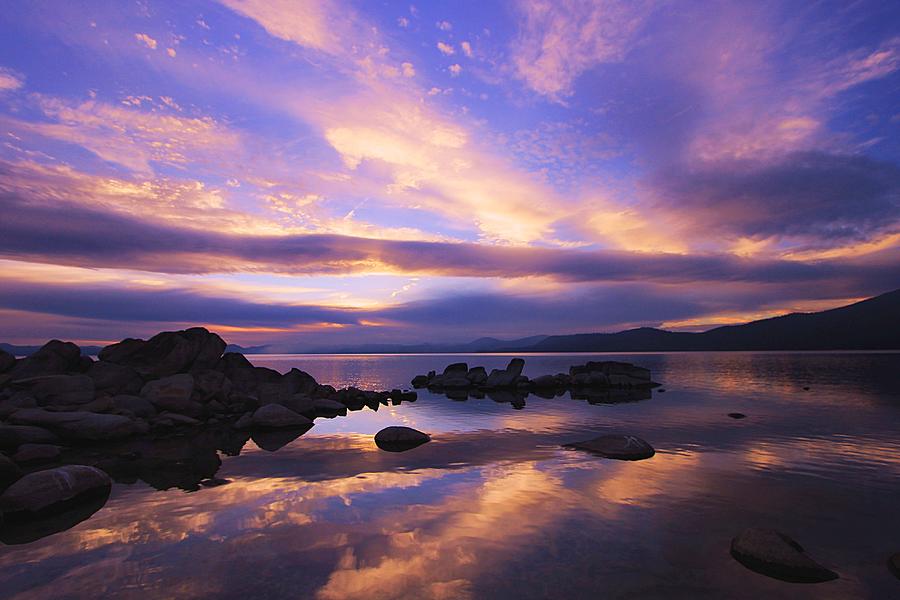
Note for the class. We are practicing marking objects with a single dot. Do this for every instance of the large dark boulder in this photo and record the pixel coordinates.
(33, 453)
(243, 375)
(210, 385)
(399, 439)
(275, 416)
(620, 447)
(78, 425)
(7, 361)
(58, 390)
(615, 373)
(507, 378)
(300, 382)
(13, 436)
(174, 394)
(167, 353)
(53, 358)
(110, 378)
(9, 472)
(134, 405)
(775, 554)
(43, 491)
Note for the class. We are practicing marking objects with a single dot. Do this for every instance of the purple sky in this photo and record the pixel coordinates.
(320, 173)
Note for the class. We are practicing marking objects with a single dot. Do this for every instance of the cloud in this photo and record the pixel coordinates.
(146, 40)
(466, 48)
(455, 70)
(444, 25)
(310, 23)
(10, 80)
(560, 39)
(446, 49)
(408, 70)
(823, 198)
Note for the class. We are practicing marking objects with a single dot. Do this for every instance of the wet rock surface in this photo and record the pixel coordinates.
(400, 439)
(775, 554)
(619, 447)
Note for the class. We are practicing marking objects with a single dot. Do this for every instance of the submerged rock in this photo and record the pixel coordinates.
(620, 447)
(399, 439)
(775, 554)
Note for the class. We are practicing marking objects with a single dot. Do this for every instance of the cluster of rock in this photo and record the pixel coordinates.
(598, 382)
(177, 383)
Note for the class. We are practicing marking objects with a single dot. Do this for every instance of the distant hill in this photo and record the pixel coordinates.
(872, 324)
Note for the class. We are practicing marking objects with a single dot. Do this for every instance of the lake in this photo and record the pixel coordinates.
(494, 507)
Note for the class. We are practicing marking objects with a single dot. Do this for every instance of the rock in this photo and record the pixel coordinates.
(273, 393)
(420, 381)
(9, 472)
(275, 416)
(302, 405)
(618, 374)
(7, 361)
(455, 381)
(78, 425)
(544, 382)
(210, 385)
(13, 436)
(477, 375)
(167, 353)
(894, 564)
(400, 439)
(773, 553)
(508, 377)
(177, 419)
(300, 382)
(59, 390)
(328, 408)
(42, 492)
(137, 406)
(737, 415)
(53, 358)
(459, 368)
(113, 379)
(661, 390)
(620, 447)
(245, 422)
(36, 453)
(173, 394)
(239, 371)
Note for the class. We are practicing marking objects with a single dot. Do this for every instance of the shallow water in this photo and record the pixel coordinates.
(494, 508)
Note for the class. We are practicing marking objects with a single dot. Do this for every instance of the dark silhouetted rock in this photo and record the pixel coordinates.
(773, 553)
(506, 378)
(300, 382)
(167, 353)
(9, 472)
(420, 381)
(544, 382)
(239, 371)
(328, 408)
(210, 385)
(28, 453)
(737, 415)
(7, 361)
(13, 436)
(112, 379)
(275, 416)
(135, 405)
(894, 564)
(620, 447)
(78, 425)
(457, 368)
(477, 375)
(277, 392)
(173, 394)
(59, 390)
(53, 358)
(399, 439)
(42, 491)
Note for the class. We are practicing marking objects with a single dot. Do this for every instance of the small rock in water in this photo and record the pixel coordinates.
(775, 554)
(806, 388)
(736, 415)
(620, 447)
(400, 439)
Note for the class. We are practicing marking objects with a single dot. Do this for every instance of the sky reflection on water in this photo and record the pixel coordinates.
(493, 507)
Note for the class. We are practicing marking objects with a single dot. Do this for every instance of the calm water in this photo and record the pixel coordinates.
(494, 508)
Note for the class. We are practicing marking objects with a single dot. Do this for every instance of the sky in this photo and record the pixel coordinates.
(310, 174)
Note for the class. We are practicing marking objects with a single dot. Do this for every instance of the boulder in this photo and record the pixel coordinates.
(328, 408)
(43, 492)
(275, 416)
(78, 425)
(775, 554)
(544, 382)
(459, 368)
(7, 361)
(173, 393)
(273, 393)
(620, 447)
(167, 353)
(110, 378)
(9, 472)
(59, 390)
(210, 385)
(239, 371)
(300, 404)
(300, 382)
(53, 358)
(506, 378)
(618, 374)
(420, 381)
(36, 453)
(13, 436)
(737, 415)
(477, 375)
(135, 405)
(399, 439)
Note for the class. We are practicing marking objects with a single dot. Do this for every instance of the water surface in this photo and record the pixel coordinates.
(495, 508)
